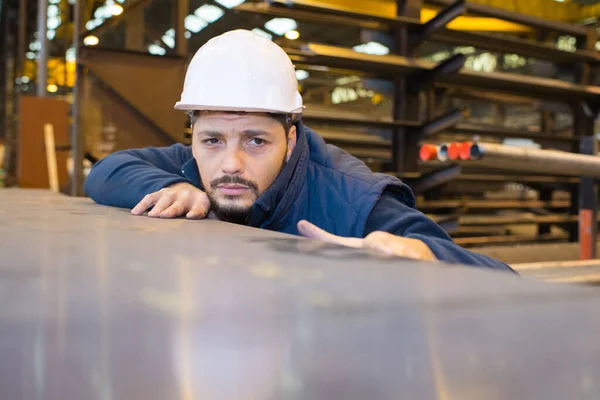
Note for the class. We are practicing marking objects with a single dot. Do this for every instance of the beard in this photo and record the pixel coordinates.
(227, 210)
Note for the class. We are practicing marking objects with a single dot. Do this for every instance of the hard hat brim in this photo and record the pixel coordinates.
(196, 107)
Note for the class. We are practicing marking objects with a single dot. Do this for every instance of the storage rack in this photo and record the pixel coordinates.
(412, 76)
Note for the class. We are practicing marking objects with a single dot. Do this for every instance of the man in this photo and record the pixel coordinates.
(253, 162)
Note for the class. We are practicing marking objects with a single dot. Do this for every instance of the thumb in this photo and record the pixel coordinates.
(311, 231)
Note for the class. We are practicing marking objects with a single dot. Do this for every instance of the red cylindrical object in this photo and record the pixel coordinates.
(454, 151)
(428, 152)
(465, 150)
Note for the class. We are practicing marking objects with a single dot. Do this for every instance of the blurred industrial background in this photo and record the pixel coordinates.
(380, 78)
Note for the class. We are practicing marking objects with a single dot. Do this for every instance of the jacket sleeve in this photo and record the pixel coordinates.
(122, 179)
(391, 215)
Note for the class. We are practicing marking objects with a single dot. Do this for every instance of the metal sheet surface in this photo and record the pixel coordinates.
(97, 304)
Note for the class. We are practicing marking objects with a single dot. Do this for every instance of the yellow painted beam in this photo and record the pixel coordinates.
(477, 23)
(388, 9)
(568, 11)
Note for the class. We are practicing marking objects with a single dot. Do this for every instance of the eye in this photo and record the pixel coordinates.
(211, 141)
(258, 142)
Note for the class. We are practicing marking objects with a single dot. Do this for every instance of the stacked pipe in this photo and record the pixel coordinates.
(514, 158)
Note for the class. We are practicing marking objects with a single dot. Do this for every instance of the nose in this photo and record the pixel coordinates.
(233, 164)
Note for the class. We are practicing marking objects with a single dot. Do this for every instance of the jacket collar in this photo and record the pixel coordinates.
(271, 208)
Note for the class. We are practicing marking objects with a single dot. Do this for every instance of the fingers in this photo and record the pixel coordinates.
(311, 231)
(147, 202)
(175, 210)
(387, 244)
(175, 201)
(198, 211)
(162, 204)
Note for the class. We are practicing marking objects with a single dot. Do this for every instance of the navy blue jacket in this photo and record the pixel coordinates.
(321, 183)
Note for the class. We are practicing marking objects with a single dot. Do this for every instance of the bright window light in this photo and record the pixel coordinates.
(99, 13)
(115, 9)
(70, 54)
(262, 33)
(302, 74)
(187, 34)
(156, 50)
(281, 25)
(52, 88)
(36, 45)
(91, 40)
(91, 24)
(54, 1)
(51, 34)
(292, 35)
(170, 33)
(169, 41)
(53, 10)
(194, 24)
(209, 13)
(30, 55)
(372, 48)
(53, 22)
(230, 3)
(24, 79)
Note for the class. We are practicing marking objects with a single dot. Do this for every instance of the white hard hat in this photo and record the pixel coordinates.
(241, 71)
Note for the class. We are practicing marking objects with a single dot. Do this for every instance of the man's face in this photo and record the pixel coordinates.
(239, 156)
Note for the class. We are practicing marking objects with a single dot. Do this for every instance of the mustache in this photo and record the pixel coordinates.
(234, 180)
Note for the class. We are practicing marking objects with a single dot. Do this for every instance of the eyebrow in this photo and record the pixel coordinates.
(244, 133)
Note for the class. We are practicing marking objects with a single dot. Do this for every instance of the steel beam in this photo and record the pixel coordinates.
(438, 22)
(506, 44)
(389, 66)
(426, 79)
(181, 11)
(77, 136)
(339, 16)
(22, 37)
(588, 205)
(518, 18)
(406, 104)
(436, 178)
(440, 124)
(489, 240)
(42, 64)
(489, 204)
(535, 160)
(499, 131)
(129, 7)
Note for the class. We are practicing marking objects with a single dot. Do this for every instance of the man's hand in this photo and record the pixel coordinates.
(175, 201)
(379, 242)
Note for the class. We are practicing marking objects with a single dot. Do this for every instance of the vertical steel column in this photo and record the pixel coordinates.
(584, 118)
(588, 204)
(42, 69)
(21, 42)
(77, 137)
(180, 12)
(8, 61)
(406, 102)
(548, 122)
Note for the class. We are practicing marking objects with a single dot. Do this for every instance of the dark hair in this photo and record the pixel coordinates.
(286, 120)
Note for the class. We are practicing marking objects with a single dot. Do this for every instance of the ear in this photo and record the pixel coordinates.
(291, 142)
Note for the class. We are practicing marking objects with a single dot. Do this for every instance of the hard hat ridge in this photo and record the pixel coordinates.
(241, 71)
